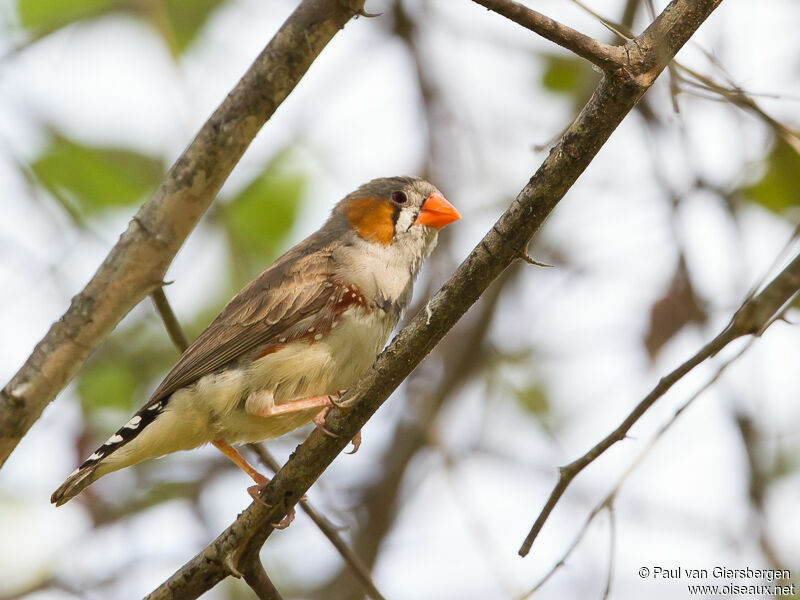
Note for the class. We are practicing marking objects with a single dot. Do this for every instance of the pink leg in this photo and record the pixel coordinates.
(325, 403)
(296, 405)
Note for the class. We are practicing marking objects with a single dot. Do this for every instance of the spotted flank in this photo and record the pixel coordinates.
(85, 474)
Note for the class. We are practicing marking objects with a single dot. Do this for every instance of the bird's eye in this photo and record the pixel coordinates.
(399, 197)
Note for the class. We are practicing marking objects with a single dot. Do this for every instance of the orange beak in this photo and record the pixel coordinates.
(437, 212)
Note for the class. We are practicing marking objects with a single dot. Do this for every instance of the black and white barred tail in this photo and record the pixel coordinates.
(103, 460)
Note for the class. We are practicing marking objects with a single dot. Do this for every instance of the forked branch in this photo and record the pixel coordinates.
(605, 56)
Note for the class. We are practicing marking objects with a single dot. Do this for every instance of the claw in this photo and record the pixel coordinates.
(255, 493)
(337, 403)
(319, 421)
(356, 441)
(285, 521)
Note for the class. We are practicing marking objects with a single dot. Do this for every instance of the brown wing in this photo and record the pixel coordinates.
(268, 309)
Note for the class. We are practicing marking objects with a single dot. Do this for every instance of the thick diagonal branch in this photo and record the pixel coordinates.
(605, 56)
(138, 262)
(504, 243)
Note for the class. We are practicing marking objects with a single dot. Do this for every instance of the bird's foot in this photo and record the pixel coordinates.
(285, 521)
(255, 490)
(319, 422)
(255, 494)
(339, 404)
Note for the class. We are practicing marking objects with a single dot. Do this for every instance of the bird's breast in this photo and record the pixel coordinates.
(324, 363)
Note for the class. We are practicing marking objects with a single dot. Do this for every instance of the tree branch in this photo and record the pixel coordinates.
(607, 57)
(351, 559)
(608, 500)
(614, 97)
(754, 316)
(256, 577)
(171, 324)
(137, 263)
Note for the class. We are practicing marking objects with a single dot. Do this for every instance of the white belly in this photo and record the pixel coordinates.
(300, 370)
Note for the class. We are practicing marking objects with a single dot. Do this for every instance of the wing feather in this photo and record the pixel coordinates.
(269, 308)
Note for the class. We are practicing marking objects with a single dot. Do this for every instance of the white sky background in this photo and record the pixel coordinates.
(357, 113)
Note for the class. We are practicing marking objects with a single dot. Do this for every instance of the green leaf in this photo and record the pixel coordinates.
(260, 217)
(533, 398)
(88, 180)
(107, 384)
(47, 15)
(779, 188)
(570, 76)
(186, 19)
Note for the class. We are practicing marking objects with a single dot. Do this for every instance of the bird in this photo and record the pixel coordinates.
(284, 348)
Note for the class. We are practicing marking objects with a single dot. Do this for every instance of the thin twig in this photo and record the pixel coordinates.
(605, 56)
(531, 261)
(753, 317)
(256, 577)
(352, 560)
(608, 500)
(612, 550)
(253, 571)
(622, 31)
(568, 472)
(171, 323)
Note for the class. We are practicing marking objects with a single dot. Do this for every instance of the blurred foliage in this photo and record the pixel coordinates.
(107, 384)
(120, 375)
(533, 398)
(88, 180)
(569, 76)
(258, 219)
(177, 22)
(779, 188)
(43, 16)
(677, 307)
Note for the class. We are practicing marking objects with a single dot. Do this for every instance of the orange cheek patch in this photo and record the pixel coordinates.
(371, 218)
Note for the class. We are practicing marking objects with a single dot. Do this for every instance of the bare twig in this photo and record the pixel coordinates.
(256, 577)
(612, 550)
(608, 500)
(610, 103)
(351, 559)
(531, 261)
(605, 56)
(171, 323)
(137, 263)
(752, 318)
